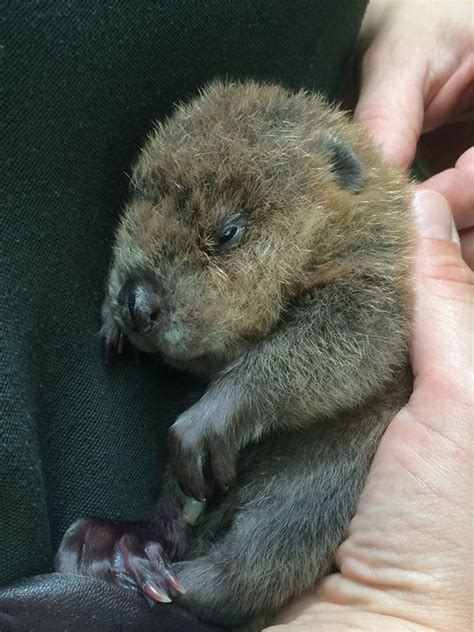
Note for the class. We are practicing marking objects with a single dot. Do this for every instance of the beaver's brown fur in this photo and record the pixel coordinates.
(266, 246)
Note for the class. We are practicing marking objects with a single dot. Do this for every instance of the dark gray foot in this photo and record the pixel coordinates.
(125, 553)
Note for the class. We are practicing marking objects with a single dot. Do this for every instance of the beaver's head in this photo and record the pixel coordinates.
(228, 199)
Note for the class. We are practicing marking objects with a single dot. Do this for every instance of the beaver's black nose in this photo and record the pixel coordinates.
(140, 305)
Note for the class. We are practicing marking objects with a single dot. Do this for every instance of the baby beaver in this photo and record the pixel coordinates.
(266, 247)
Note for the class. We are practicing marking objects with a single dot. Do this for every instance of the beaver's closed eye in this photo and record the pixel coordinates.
(230, 234)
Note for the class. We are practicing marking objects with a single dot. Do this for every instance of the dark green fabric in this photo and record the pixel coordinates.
(83, 82)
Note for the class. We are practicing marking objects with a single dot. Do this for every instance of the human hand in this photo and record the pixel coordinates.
(407, 563)
(417, 95)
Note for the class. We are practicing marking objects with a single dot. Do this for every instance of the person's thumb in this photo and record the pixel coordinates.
(390, 105)
(442, 351)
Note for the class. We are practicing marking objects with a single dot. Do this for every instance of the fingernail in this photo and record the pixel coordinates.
(433, 216)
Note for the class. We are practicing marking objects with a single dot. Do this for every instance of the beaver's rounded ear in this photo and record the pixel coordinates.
(344, 164)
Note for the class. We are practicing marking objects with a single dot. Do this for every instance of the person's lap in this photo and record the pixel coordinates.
(82, 91)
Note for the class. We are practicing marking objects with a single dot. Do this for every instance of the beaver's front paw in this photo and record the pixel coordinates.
(202, 453)
(124, 553)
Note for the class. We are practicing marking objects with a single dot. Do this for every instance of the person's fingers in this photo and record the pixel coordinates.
(453, 98)
(457, 186)
(442, 350)
(391, 104)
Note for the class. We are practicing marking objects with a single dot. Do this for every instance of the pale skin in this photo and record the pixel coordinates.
(417, 95)
(408, 561)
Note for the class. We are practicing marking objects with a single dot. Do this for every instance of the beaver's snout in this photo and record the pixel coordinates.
(140, 305)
